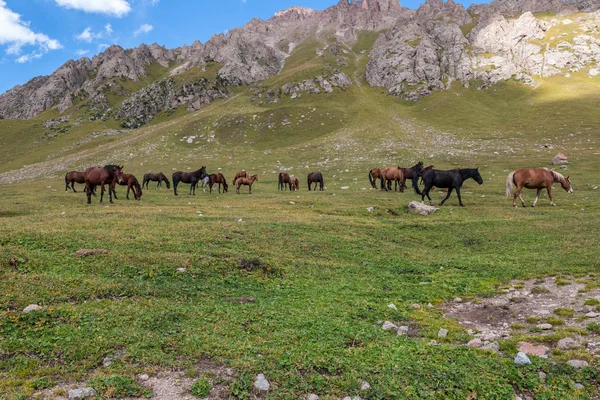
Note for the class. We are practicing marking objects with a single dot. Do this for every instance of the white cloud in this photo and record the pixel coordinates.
(81, 52)
(117, 8)
(29, 57)
(108, 29)
(86, 35)
(143, 29)
(16, 33)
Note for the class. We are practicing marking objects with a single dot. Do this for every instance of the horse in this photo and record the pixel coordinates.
(375, 174)
(74, 177)
(538, 178)
(245, 181)
(412, 173)
(295, 184)
(99, 176)
(452, 180)
(205, 182)
(219, 179)
(315, 177)
(132, 184)
(241, 174)
(284, 181)
(156, 177)
(189, 177)
(391, 174)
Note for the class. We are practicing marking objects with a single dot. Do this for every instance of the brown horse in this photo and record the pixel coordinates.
(284, 181)
(156, 177)
(538, 178)
(132, 185)
(241, 174)
(188, 177)
(100, 176)
(74, 177)
(316, 178)
(245, 181)
(375, 174)
(295, 184)
(219, 179)
(391, 174)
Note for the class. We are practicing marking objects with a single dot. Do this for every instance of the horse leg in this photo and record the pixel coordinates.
(537, 197)
(448, 195)
(425, 192)
(88, 192)
(518, 194)
(175, 186)
(549, 190)
(128, 189)
(458, 194)
(250, 189)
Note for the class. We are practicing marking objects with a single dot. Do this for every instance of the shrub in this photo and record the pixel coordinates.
(201, 388)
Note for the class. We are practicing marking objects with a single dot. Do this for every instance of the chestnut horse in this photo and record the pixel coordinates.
(74, 177)
(245, 181)
(156, 177)
(241, 174)
(538, 178)
(375, 174)
(100, 176)
(132, 185)
(452, 180)
(315, 177)
(284, 181)
(391, 174)
(219, 179)
(295, 184)
(189, 177)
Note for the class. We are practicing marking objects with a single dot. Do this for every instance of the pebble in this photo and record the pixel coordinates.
(32, 307)
(416, 306)
(542, 375)
(533, 350)
(592, 315)
(392, 306)
(143, 377)
(365, 385)
(458, 300)
(261, 383)
(567, 343)
(388, 326)
(312, 396)
(522, 359)
(403, 331)
(429, 305)
(476, 343)
(578, 364)
(579, 386)
(442, 333)
(433, 342)
(82, 393)
(544, 327)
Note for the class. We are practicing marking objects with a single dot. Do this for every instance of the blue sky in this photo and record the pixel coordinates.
(38, 36)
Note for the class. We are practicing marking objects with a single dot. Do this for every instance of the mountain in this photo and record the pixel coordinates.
(417, 52)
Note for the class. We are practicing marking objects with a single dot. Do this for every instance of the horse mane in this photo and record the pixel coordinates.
(559, 177)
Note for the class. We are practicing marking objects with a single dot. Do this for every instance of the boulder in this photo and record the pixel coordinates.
(560, 158)
(522, 359)
(421, 208)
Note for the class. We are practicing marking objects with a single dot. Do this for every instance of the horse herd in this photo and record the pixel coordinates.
(452, 180)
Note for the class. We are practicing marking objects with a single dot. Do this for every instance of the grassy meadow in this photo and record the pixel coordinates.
(321, 266)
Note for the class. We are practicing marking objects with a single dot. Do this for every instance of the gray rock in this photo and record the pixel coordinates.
(579, 386)
(32, 307)
(421, 208)
(403, 331)
(560, 158)
(388, 326)
(312, 396)
(143, 377)
(82, 393)
(592, 315)
(392, 306)
(522, 359)
(567, 344)
(442, 333)
(365, 385)
(544, 327)
(578, 364)
(542, 375)
(492, 346)
(261, 383)
(475, 343)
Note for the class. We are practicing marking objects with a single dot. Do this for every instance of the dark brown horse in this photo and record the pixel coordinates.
(295, 183)
(245, 181)
(413, 174)
(389, 175)
(375, 174)
(156, 177)
(452, 180)
(189, 177)
(538, 178)
(241, 174)
(74, 177)
(132, 185)
(219, 179)
(95, 176)
(316, 178)
(284, 181)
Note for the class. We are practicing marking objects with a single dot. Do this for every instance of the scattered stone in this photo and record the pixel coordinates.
(182, 270)
(429, 305)
(261, 383)
(421, 208)
(522, 359)
(370, 209)
(388, 326)
(592, 315)
(365, 385)
(82, 393)
(587, 309)
(542, 375)
(560, 158)
(403, 331)
(457, 300)
(392, 306)
(89, 252)
(433, 342)
(544, 327)
(532, 350)
(143, 377)
(312, 396)
(564, 167)
(567, 344)
(442, 333)
(476, 343)
(492, 346)
(578, 364)
(416, 306)
(32, 307)
(579, 386)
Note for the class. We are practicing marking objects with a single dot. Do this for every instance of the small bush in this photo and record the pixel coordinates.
(201, 388)
(540, 289)
(564, 312)
(555, 321)
(116, 386)
(42, 383)
(594, 327)
(591, 302)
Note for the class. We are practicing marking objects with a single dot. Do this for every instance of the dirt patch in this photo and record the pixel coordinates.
(89, 252)
(242, 300)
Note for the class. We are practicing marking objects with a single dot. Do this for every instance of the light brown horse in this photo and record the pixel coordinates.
(74, 177)
(375, 174)
(284, 181)
(95, 176)
(245, 181)
(132, 185)
(391, 174)
(219, 179)
(295, 184)
(241, 174)
(538, 178)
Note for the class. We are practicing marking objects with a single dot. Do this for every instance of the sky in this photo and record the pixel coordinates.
(38, 36)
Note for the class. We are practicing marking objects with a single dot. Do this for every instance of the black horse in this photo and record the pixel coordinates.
(315, 177)
(412, 173)
(452, 179)
(189, 177)
(157, 177)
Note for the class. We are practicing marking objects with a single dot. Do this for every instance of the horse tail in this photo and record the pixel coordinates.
(136, 183)
(67, 181)
(509, 184)
(415, 181)
(371, 179)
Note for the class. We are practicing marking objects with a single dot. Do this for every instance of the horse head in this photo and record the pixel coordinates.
(477, 176)
(566, 184)
(254, 177)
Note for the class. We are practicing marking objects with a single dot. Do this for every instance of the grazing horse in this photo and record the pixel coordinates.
(284, 181)
(295, 184)
(156, 177)
(219, 179)
(391, 174)
(245, 181)
(315, 177)
(412, 173)
(538, 178)
(100, 176)
(375, 174)
(189, 177)
(241, 174)
(205, 182)
(452, 180)
(74, 177)
(132, 185)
